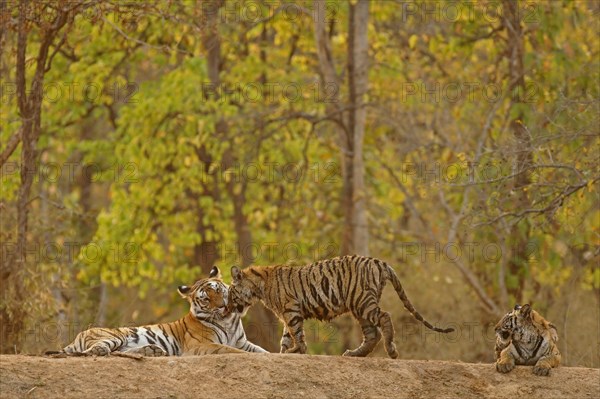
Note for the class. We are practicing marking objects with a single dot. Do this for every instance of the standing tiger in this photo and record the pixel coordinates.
(207, 329)
(524, 337)
(324, 290)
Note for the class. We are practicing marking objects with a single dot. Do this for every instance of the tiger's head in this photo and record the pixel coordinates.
(522, 324)
(507, 325)
(207, 297)
(243, 292)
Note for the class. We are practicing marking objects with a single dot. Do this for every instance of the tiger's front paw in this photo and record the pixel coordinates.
(541, 370)
(505, 367)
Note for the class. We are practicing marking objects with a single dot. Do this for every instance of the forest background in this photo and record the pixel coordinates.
(144, 142)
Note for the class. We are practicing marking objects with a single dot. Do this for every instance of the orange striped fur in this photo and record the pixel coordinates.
(207, 329)
(524, 337)
(324, 290)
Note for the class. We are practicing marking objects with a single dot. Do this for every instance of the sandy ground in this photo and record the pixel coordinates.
(281, 376)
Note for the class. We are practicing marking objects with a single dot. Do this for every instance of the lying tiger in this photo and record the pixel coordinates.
(206, 329)
(324, 290)
(524, 337)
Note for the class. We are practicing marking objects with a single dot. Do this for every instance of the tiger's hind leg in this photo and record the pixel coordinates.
(98, 349)
(286, 341)
(148, 351)
(96, 342)
(371, 337)
(294, 325)
(387, 327)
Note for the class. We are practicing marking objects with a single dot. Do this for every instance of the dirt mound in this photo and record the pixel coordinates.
(281, 376)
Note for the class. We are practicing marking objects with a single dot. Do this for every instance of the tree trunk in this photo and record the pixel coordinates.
(13, 314)
(520, 231)
(30, 109)
(358, 70)
(205, 253)
(263, 322)
(349, 117)
(350, 121)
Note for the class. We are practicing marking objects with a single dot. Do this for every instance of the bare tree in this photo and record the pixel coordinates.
(29, 101)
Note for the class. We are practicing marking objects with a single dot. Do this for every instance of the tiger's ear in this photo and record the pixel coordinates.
(214, 272)
(236, 274)
(526, 310)
(184, 290)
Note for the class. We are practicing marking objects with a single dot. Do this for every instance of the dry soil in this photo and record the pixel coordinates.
(281, 376)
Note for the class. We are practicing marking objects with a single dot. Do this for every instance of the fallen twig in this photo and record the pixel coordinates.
(61, 355)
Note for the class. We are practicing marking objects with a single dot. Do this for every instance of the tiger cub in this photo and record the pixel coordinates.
(524, 337)
(324, 290)
(207, 329)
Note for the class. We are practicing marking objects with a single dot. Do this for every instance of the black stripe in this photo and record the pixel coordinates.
(202, 337)
(540, 340)
(353, 289)
(518, 350)
(290, 282)
(363, 307)
(313, 292)
(325, 285)
(334, 299)
(220, 328)
(340, 285)
(163, 343)
(322, 304)
(255, 273)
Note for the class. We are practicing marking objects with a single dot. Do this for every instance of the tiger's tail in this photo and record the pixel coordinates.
(393, 277)
(67, 350)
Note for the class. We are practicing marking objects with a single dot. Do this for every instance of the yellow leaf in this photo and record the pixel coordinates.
(412, 41)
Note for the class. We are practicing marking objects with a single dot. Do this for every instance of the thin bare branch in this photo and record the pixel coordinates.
(11, 146)
(553, 206)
